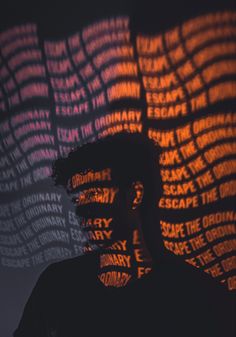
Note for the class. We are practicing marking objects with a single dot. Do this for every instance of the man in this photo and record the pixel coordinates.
(127, 286)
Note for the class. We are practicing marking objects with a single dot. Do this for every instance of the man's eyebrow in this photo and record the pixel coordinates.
(95, 184)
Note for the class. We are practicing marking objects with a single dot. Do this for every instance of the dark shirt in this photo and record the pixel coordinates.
(174, 299)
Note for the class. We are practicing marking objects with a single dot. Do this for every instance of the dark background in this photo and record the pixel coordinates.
(58, 19)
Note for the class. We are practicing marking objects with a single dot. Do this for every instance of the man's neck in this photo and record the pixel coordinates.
(124, 261)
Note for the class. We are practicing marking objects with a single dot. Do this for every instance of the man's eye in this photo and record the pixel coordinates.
(90, 194)
(74, 200)
(87, 195)
(97, 191)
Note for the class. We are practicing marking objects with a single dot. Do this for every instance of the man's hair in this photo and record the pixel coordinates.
(131, 157)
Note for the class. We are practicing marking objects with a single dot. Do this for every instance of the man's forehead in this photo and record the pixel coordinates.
(88, 176)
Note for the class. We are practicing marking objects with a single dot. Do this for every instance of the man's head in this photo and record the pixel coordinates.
(115, 179)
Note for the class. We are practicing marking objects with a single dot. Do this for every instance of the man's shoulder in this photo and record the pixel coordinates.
(178, 267)
(191, 293)
(194, 284)
(79, 267)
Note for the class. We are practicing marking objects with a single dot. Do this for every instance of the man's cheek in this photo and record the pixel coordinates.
(97, 223)
(96, 209)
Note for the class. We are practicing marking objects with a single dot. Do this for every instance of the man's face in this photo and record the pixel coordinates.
(100, 205)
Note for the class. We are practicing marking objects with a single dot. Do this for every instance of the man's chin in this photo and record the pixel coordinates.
(102, 244)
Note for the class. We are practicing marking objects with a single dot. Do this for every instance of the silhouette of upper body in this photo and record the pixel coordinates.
(172, 300)
(119, 289)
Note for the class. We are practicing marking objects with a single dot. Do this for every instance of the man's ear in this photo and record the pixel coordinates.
(136, 194)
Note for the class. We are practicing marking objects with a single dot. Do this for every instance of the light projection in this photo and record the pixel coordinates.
(177, 87)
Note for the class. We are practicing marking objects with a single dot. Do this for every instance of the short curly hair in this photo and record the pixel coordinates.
(131, 157)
